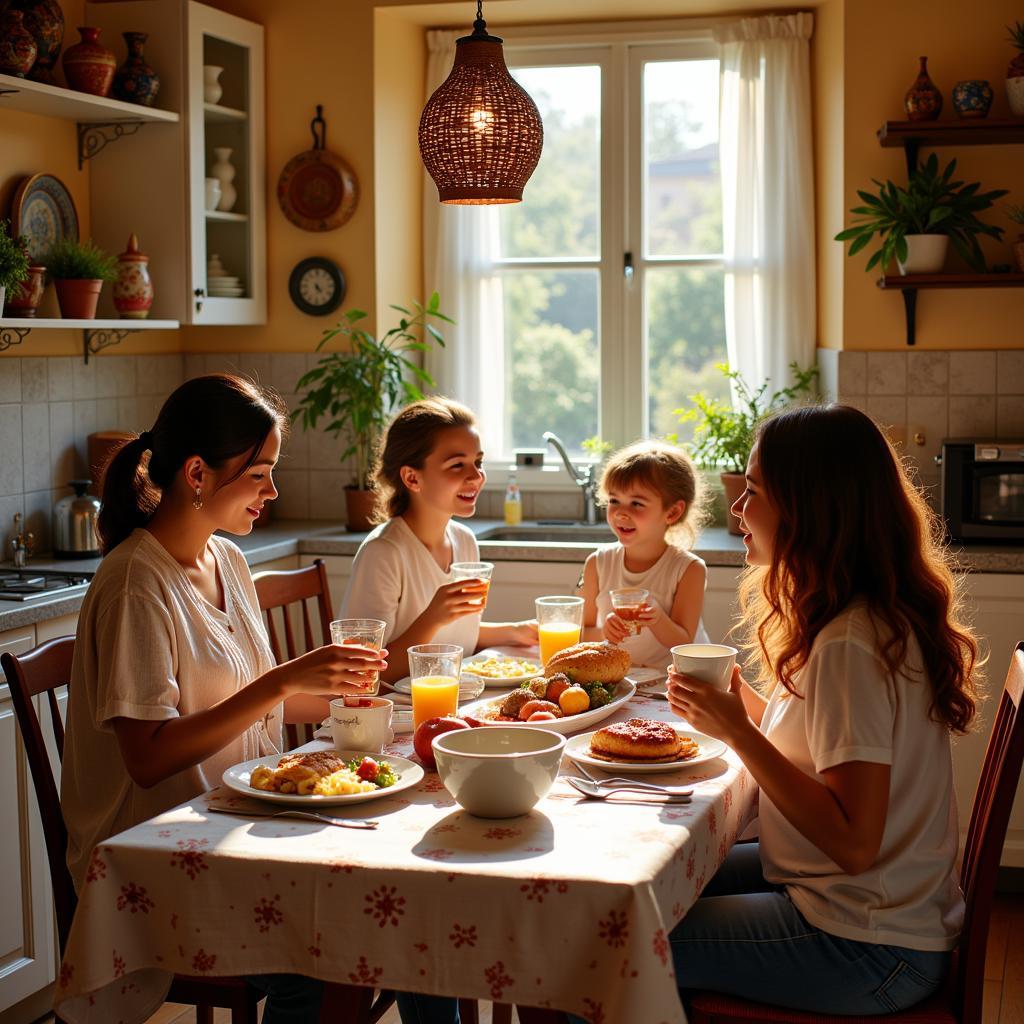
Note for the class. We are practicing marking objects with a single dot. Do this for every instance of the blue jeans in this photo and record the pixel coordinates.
(745, 938)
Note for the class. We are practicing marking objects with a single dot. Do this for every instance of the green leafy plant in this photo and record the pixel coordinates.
(930, 204)
(596, 448)
(1016, 36)
(1016, 213)
(68, 260)
(724, 435)
(13, 259)
(359, 389)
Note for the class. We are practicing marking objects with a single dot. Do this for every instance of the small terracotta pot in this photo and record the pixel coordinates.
(734, 484)
(78, 298)
(25, 299)
(359, 507)
(1018, 253)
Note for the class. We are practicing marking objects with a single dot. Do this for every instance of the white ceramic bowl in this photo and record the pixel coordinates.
(498, 772)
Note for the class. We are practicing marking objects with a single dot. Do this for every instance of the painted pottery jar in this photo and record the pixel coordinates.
(136, 81)
(133, 289)
(44, 20)
(224, 171)
(17, 45)
(25, 299)
(88, 65)
(923, 101)
(972, 98)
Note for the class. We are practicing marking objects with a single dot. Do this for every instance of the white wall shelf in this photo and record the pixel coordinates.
(215, 112)
(53, 101)
(237, 218)
(96, 334)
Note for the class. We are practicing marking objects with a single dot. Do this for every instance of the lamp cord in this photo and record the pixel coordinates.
(480, 26)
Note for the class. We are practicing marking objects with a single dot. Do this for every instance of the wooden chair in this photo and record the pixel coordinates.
(42, 671)
(959, 1000)
(281, 594)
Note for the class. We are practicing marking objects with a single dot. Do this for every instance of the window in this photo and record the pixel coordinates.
(610, 273)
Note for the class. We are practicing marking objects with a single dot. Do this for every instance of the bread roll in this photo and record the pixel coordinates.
(599, 662)
(641, 740)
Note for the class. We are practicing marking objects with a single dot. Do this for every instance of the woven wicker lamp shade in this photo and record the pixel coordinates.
(480, 133)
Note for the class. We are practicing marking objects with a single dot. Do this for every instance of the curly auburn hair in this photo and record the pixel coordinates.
(852, 525)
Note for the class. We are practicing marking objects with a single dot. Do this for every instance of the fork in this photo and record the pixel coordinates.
(619, 782)
(598, 792)
(368, 823)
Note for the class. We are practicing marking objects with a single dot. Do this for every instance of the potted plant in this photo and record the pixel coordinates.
(1015, 72)
(78, 270)
(725, 431)
(916, 223)
(13, 264)
(357, 390)
(1017, 216)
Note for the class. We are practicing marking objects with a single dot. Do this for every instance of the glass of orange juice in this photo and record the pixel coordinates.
(474, 571)
(361, 633)
(435, 670)
(628, 603)
(559, 622)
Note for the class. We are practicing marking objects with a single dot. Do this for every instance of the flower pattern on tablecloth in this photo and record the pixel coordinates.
(614, 930)
(661, 947)
(133, 897)
(386, 907)
(203, 961)
(267, 913)
(364, 974)
(463, 936)
(190, 857)
(96, 869)
(497, 979)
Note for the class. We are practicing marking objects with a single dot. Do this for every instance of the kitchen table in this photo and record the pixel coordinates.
(568, 907)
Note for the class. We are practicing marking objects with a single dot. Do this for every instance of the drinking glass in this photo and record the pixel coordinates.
(627, 603)
(435, 670)
(361, 633)
(474, 571)
(559, 624)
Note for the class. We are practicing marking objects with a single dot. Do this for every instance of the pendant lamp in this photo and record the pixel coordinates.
(480, 133)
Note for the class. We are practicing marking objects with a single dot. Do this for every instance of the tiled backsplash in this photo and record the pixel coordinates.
(923, 397)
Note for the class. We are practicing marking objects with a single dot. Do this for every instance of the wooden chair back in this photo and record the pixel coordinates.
(284, 597)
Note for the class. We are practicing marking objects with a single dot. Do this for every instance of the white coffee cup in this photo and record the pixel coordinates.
(361, 723)
(710, 663)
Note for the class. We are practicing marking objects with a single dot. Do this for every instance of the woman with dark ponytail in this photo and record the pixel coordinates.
(173, 680)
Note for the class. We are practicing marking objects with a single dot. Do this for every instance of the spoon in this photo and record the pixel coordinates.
(676, 795)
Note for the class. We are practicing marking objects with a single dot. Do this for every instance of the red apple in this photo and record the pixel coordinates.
(425, 733)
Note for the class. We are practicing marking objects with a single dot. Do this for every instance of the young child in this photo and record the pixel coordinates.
(173, 680)
(429, 472)
(850, 903)
(654, 504)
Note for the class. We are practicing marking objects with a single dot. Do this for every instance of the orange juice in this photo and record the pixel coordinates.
(554, 636)
(434, 697)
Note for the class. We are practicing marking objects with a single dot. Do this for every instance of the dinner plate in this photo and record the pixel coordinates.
(577, 749)
(624, 689)
(470, 687)
(44, 212)
(647, 677)
(467, 666)
(409, 773)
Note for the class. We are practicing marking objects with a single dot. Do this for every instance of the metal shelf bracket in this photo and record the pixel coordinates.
(12, 336)
(910, 307)
(94, 341)
(96, 136)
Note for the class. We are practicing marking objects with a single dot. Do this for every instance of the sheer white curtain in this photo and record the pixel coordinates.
(460, 244)
(767, 195)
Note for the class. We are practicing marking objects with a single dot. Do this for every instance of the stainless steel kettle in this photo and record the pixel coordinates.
(74, 523)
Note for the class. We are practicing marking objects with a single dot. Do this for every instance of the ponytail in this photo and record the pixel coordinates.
(217, 417)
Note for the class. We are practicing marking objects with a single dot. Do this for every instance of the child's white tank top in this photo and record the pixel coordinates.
(660, 580)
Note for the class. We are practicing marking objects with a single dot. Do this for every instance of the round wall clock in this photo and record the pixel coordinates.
(317, 286)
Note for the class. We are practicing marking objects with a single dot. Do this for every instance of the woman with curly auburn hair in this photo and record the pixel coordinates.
(849, 903)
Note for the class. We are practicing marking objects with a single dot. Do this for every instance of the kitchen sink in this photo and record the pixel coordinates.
(548, 534)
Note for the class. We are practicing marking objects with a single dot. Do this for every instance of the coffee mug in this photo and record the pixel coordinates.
(361, 723)
(710, 663)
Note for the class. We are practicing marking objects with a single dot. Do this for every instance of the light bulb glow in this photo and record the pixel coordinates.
(481, 120)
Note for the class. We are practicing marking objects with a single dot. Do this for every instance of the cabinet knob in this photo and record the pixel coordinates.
(199, 293)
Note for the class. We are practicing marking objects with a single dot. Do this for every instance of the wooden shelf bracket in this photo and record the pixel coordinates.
(96, 136)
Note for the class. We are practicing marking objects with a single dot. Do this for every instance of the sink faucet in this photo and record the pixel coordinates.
(584, 478)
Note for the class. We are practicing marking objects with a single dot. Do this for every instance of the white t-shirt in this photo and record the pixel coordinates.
(661, 580)
(853, 711)
(395, 577)
(149, 647)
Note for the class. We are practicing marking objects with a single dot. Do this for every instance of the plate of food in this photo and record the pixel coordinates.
(582, 686)
(496, 669)
(643, 745)
(322, 777)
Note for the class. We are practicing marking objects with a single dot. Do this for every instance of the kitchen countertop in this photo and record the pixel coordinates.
(285, 537)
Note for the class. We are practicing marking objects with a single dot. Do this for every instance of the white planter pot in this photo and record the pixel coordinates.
(925, 254)
(1015, 94)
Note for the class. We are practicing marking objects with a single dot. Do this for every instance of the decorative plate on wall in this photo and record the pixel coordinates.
(44, 212)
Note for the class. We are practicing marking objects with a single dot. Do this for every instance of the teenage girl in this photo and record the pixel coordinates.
(428, 475)
(173, 680)
(850, 903)
(653, 502)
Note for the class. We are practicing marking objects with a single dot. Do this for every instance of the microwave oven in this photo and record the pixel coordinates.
(982, 489)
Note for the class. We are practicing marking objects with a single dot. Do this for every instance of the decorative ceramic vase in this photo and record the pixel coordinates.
(18, 47)
(224, 171)
(44, 20)
(923, 101)
(212, 187)
(926, 254)
(212, 89)
(78, 298)
(972, 98)
(136, 81)
(88, 65)
(1015, 95)
(25, 299)
(133, 289)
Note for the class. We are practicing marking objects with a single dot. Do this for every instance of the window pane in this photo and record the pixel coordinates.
(685, 339)
(558, 217)
(682, 191)
(551, 352)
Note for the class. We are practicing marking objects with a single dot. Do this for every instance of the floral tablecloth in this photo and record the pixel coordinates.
(568, 907)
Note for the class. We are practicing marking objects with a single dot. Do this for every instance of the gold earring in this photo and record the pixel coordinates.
(197, 501)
